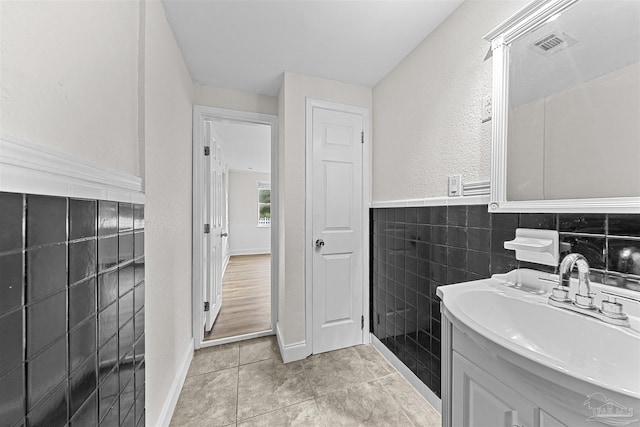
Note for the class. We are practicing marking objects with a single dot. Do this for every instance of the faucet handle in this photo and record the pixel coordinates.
(560, 295)
(584, 301)
(613, 309)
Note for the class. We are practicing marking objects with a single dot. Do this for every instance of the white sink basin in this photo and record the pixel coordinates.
(524, 323)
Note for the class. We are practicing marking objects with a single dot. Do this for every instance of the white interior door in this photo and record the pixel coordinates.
(337, 229)
(215, 194)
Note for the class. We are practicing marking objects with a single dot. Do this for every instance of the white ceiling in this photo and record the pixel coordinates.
(247, 45)
(245, 146)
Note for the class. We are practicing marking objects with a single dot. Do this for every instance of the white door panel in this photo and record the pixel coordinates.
(215, 195)
(337, 221)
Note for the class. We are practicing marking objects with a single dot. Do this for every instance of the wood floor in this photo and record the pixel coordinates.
(246, 297)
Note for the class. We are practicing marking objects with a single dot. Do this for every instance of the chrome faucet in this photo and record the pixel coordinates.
(611, 311)
(583, 297)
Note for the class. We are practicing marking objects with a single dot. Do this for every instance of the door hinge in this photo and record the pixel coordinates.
(207, 151)
(207, 228)
(206, 306)
(362, 137)
(362, 322)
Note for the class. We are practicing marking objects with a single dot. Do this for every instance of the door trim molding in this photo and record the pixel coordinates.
(200, 113)
(312, 103)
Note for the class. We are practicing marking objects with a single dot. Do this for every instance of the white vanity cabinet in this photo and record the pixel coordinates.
(481, 400)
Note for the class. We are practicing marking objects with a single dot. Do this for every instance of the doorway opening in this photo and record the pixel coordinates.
(234, 225)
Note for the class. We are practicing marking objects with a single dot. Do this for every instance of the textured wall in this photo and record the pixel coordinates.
(168, 106)
(297, 88)
(426, 112)
(70, 78)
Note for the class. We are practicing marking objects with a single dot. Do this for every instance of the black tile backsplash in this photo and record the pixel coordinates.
(66, 265)
(415, 250)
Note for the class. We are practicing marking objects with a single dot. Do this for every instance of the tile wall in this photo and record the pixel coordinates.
(71, 312)
(415, 250)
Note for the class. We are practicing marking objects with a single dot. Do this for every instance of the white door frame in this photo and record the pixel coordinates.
(200, 114)
(312, 103)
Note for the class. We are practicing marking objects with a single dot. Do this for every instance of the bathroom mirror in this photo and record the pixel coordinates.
(566, 108)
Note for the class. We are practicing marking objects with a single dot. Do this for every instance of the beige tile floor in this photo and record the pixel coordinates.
(246, 384)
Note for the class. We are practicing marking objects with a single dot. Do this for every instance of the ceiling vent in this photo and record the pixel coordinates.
(552, 43)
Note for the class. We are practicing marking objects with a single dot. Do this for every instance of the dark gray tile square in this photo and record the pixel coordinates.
(125, 308)
(87, 415)
(11, 284)
(502, 263)
(107, 218)
(138, 267)
(82, 301)
(107, 253)
(47, 321)
(82, 260)
(126, 279)
(498, 237)
(478, 263)
(11, 215)
(82, 343)
(125, 248)
(545, 221)
(12, 396)
(52, 412)
(457, 258)
(125, 341)
(107, 323)
(83, 384)
(125, 217)
(478, 216)
(593, 248)
(46, 220)
(457, 215)
(138, 325)
(138, 297)
(424, 215)
(439, 234)
(479, 239)
(624, 225)
(46, 371)
(82, 218)
(457, 237)
(138, 245)
(46, 271)
(582, 223)
(138, 217)
(107, 357)
(624, 256)
(11, 349)
(438, 215)
(107, 394)
(504, 221)
(107, 288)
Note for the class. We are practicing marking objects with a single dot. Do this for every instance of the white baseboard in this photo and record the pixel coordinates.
(250, 251)
(176, 387)
(291, 352)
(225, 263)
(417, 384)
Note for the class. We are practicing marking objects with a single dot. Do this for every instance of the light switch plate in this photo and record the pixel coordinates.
(455, 185)
(486, 108)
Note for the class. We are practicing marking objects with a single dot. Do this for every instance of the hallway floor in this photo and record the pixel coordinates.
(246, 297)
(246, 384)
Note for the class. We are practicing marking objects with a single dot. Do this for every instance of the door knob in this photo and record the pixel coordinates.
(319, 243)
(224, 234)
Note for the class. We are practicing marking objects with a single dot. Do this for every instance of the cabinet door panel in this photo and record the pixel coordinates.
(479, 400)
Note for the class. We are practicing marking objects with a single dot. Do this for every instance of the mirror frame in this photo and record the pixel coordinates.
(532, 16)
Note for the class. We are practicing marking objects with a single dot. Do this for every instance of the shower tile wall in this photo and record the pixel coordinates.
(71, 312)
(415, 250)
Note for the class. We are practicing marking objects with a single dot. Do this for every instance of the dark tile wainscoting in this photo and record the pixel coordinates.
(71, 312)
(415, 250)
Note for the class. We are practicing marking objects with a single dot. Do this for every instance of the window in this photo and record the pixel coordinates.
(264, 204)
